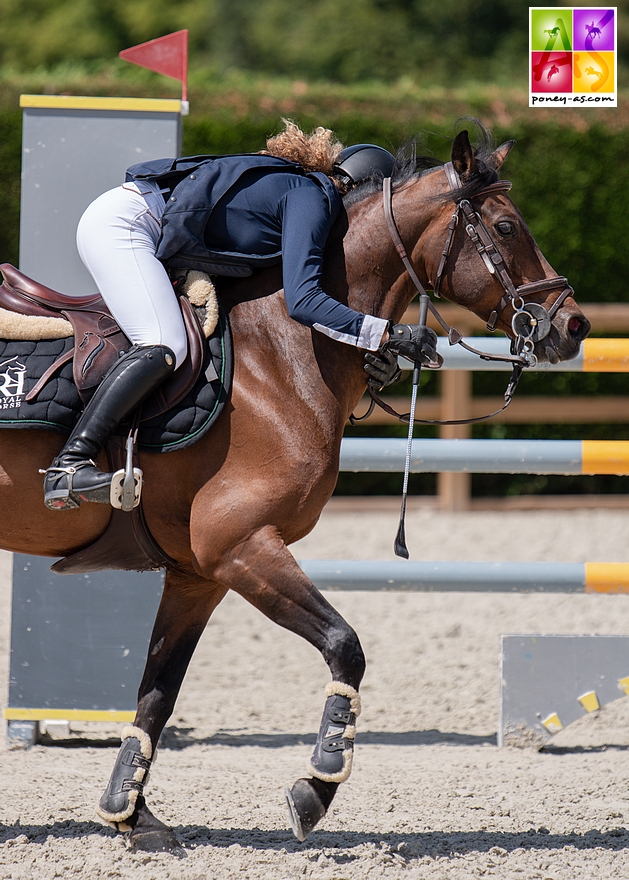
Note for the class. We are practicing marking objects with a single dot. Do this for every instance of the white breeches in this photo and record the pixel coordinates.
(117, 238)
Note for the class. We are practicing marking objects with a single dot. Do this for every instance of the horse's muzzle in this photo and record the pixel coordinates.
(569, 328)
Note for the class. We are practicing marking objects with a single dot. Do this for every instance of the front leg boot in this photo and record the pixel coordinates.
(128, 778)
(331, 759)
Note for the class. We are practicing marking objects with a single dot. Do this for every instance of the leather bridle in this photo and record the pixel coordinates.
(531, 322)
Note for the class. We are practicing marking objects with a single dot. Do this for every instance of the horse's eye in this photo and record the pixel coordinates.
(506, 228)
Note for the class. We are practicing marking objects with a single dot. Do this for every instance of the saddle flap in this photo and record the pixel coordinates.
(99, 342)
(184, 378)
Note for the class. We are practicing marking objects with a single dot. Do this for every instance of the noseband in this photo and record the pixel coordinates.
(531, 322)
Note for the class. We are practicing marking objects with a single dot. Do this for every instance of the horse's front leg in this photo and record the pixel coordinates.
(264, 572)
(185, 608)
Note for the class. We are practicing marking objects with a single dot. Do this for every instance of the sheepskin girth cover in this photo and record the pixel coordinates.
(128, 778)
(331, 759)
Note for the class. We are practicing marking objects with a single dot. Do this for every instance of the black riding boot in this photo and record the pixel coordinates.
(73, 476)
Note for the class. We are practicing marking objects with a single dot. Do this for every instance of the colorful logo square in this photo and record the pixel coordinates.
(551, 72)
(572, 56)
(551, 30)
(594, 72)
(594, 30)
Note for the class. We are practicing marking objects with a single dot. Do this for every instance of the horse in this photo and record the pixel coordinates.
(553, 70)
(593, 31)
(226, 509)
(592, 71)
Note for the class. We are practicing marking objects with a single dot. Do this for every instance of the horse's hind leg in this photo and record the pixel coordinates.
(265, 573)
(185, 608)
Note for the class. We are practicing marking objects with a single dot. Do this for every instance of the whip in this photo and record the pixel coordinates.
(399, 546)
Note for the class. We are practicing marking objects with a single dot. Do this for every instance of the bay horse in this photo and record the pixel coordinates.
(226, 508)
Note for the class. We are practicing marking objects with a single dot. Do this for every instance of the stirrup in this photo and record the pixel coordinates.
(126, 484)
(125, 495)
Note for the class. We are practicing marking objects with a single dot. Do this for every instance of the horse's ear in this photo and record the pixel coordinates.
(501, 153)
(463, 155)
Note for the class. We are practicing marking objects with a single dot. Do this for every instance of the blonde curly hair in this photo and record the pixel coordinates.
(316, 151)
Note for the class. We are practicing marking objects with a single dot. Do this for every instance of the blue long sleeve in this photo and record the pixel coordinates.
(266, 213)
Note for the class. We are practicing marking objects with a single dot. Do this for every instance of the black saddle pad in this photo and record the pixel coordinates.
(58, 405)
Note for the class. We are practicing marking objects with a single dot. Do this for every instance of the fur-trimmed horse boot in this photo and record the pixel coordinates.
(128, 778)
(331, 761)
(73, 476)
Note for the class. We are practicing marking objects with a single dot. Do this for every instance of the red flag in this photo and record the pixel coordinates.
(167, 55)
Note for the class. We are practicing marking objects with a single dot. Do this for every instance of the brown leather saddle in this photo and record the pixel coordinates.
(98, 342)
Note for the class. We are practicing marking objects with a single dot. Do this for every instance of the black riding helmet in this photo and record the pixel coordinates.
(361, 161)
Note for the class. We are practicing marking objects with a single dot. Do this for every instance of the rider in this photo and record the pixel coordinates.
(226, 216)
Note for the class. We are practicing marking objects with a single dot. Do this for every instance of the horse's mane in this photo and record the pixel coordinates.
(411, 164)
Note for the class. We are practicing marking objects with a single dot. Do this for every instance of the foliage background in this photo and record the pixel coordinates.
(374, 70)
(439, 40)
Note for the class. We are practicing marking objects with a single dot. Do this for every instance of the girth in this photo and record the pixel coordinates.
(98, 340)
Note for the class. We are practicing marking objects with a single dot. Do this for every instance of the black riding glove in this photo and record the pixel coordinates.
(415, 342)
(382, 368)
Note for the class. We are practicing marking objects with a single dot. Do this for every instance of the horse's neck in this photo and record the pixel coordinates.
(377, 281)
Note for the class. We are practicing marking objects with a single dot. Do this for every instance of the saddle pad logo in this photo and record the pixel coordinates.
(572, 56)
(12, 381)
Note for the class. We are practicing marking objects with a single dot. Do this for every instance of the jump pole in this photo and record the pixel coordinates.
(469, 577)
(387, 455)
(595, 356)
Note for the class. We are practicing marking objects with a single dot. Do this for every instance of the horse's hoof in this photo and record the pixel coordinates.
(162, 840)
(305, 808)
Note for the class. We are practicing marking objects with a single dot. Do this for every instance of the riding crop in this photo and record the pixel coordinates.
(399, 546)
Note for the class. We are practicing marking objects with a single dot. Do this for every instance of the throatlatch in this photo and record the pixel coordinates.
(331, 759)
(128, 778)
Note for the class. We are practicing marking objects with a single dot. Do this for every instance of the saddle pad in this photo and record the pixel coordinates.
(58, 405)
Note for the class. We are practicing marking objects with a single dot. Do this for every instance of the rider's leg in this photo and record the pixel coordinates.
(73, 476)
(117, 238)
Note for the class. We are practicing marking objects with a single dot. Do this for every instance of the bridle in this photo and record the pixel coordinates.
(530, 323)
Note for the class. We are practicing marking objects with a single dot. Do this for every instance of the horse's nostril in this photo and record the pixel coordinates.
(578, 327)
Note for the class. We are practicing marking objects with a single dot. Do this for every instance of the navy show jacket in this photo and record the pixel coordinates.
(228, 215)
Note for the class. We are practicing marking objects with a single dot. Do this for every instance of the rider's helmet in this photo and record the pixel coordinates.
(359, 162)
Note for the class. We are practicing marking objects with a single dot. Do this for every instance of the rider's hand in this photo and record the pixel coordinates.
(415, 342)
(382, 368)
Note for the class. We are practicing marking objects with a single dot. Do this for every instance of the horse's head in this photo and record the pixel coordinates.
(477, 251)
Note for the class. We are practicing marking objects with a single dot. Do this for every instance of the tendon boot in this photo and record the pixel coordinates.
(73, 476)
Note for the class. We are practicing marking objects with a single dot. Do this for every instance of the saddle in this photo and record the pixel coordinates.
(98, 340)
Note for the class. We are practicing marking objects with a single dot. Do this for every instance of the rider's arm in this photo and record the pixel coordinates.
(306, 224)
